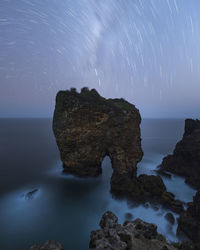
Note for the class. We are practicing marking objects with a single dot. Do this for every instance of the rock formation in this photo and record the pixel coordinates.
(137, 235)
(185, 160)
(49, 245)
(189, 221)
(88, 127)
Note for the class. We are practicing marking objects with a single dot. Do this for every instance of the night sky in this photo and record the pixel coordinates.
(147, 51)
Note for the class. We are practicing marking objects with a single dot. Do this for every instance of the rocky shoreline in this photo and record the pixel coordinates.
(132, 235)
(89, 127)
(135, 235)
(185, 160)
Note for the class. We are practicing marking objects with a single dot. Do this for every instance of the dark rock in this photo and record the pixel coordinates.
(152, 184)
(185, 160)
(155, 207)
(128, 216)
(146, 205)
(137, 235)
(31, 194)
(88, 127)
(170, 218)
(49, 245)
(189, 221)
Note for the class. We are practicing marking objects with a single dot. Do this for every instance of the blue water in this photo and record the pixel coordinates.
(67, 208)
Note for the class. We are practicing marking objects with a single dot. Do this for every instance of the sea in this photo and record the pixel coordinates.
(67, 208)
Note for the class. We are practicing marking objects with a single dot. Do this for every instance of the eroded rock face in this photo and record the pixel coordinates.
(189, 221)
(137, 235)
(88, 127)
(185, 160)
(49, 245)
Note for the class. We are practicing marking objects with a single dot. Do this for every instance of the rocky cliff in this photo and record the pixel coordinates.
(189, 221)
(49, 245)
(137, 235)
(88, 127)
(185, 159)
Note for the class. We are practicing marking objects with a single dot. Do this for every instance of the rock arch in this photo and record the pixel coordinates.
(89, 127)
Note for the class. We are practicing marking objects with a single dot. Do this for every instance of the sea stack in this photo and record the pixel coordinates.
(89, 127)
(185, 159)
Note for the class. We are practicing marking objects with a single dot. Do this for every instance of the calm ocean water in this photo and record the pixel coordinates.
(67, 208)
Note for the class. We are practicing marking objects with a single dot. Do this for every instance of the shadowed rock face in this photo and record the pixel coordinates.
(137, 235)
(189, 221)
(185, 160)
(88, 127)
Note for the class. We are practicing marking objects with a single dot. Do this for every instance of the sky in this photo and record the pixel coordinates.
(146, 51)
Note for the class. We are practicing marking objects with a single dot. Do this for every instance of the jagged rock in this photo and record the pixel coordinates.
(185, 160)
(132, 235)
(189, 221)
(170, 218)
(49, 245)
(88, 127)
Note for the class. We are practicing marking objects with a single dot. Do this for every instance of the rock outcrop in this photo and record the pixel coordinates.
(185, 159)
(88, 127)
(137, 235)
(189, 221)
(49, 245)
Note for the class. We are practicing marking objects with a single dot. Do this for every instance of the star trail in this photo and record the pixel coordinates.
(147, 51)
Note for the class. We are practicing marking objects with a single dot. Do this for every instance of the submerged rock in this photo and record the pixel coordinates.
(185, 159)
(89, 127)
(137, 235)
(49, 245)
(189, 221)
(31, 194)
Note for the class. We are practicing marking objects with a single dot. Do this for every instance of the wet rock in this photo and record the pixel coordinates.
(137, 235)
(189, 221)
(49, 245)
(128, 216)
(185, 160)
(146, 205)
(170, 218)
(30, 195)
(155, 207)
(88, 127)
(163, 173)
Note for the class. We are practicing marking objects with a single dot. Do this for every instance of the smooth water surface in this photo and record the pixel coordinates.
(67, 208)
